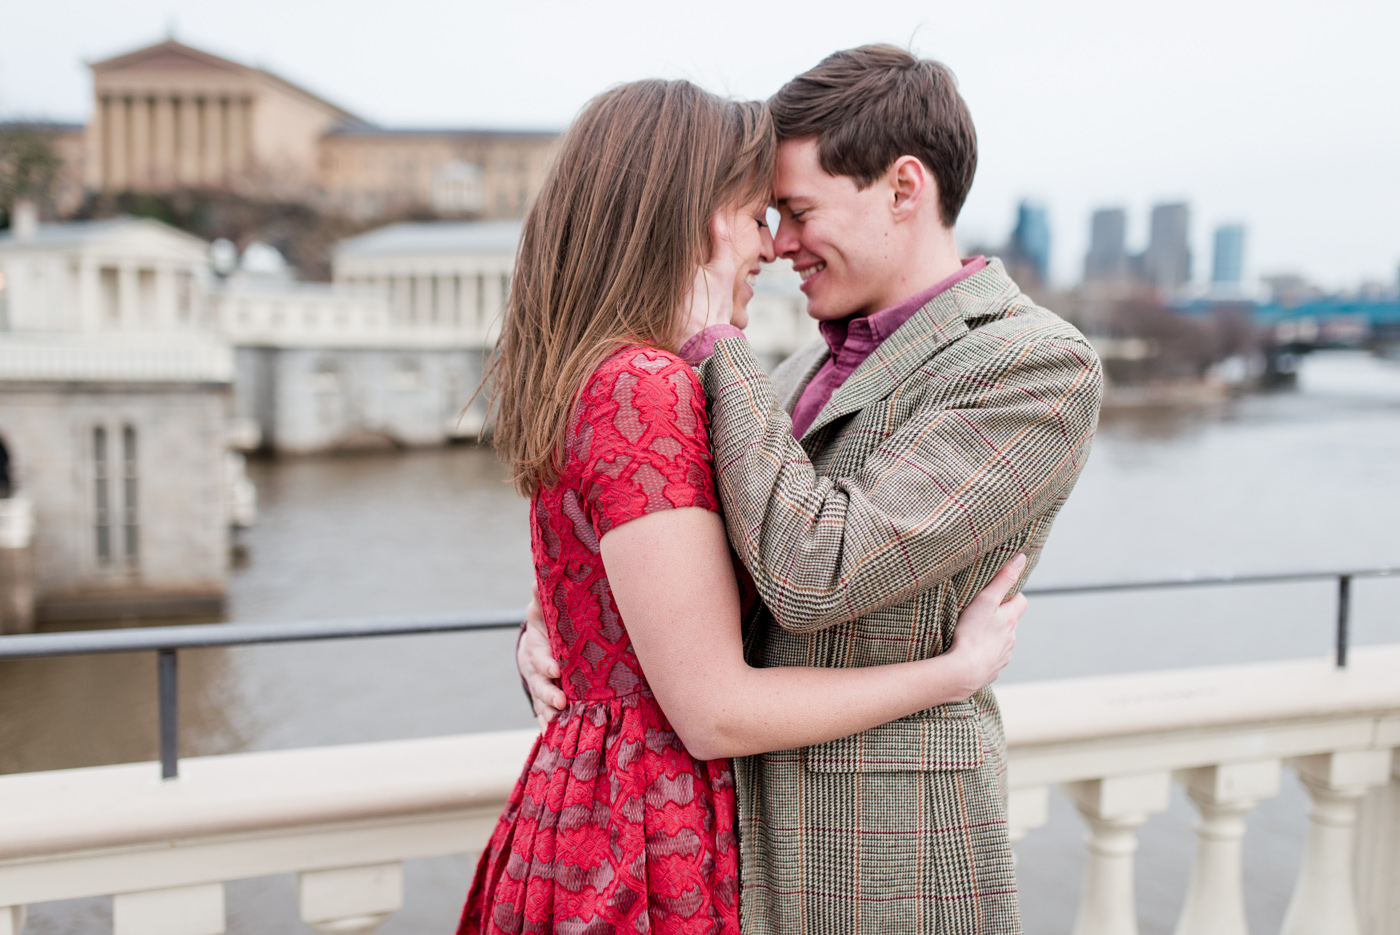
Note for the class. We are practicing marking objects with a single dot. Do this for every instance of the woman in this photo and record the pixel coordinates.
(653, 212)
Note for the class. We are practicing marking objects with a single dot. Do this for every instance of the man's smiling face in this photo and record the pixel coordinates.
(837, 235)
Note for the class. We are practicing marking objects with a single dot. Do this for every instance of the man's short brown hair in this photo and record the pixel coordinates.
(869, 106)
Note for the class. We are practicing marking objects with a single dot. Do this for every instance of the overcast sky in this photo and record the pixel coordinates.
(1282, 115)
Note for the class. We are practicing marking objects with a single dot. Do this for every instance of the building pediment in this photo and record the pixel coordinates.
(169, 56)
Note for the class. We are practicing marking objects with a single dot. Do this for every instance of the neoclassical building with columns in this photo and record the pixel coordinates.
(169, 117)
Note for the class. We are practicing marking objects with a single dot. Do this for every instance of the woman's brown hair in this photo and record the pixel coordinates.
(610, 249)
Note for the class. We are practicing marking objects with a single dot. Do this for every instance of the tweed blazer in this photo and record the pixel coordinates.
(946, 452)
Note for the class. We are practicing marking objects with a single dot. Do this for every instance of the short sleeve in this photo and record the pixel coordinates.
(642, 439)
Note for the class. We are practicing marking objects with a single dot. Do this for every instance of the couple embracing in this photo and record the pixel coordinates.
(776, 604)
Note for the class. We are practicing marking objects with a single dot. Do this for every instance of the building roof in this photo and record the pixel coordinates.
(77, 233)
(172, 53)
(361, 128)
(435, 238)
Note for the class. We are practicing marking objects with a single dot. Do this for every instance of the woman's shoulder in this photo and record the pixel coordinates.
(643, 385)
(650, 369)
(642, 360)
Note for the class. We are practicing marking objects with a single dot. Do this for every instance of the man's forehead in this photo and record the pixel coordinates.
(798, 170)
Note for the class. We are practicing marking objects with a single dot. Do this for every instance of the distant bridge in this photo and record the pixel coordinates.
(1312, 322)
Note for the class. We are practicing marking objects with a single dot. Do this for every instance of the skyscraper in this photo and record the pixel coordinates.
(1167, 262)
(1227, 266)
(1107, 259)
(1029, 249)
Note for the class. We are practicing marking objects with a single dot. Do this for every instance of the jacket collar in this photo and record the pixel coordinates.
(937, 324)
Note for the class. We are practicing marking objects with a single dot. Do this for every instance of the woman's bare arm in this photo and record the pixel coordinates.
(673, 582)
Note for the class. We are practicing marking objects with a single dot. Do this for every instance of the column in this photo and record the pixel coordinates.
(1223, 794)
(89, 297)
(94, 170)
(163, 154)
(128, 297)
(351, 900)
(1324, 901)
(404, 305)
(479, 305)
(182, 910)
(446, 286)
(1114, 809)
(117, 177)
(237, 139)
(212, 153)
(140, 168)
(246, 111)
(165, 317)
(189, 140)
(423, 301)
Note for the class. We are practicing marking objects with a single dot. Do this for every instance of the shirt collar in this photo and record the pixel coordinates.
(866, 332)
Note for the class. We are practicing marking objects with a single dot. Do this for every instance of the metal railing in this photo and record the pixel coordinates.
(167, 641)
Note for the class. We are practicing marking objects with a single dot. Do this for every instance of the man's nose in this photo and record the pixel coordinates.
(787, 242)
(766, 253)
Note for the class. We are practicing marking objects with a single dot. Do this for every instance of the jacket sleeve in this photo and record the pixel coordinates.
(962, 475)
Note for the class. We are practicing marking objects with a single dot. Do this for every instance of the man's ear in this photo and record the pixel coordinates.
(913, 186)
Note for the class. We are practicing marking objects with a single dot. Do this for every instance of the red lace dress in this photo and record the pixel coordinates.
(613, 826)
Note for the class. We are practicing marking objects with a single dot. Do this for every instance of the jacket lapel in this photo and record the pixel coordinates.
(792, 376)
(939, 323)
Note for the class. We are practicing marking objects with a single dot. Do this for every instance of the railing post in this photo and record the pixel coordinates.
(1343, 618)
(1378, 851)
(1223, 795)
(168, 677)
(1324, 901)
(1114, 808)
(181, 910)
(350, 900)
(11, 920)
(1026, 810)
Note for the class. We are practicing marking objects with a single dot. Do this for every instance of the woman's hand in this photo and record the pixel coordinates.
(711, 297)
(986, 630)
(537, 666)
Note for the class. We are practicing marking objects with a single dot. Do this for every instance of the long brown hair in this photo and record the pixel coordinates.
(610, 249)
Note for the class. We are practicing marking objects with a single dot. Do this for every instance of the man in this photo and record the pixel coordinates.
(873, 486)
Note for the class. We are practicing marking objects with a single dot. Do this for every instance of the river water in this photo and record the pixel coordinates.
(1294, 480)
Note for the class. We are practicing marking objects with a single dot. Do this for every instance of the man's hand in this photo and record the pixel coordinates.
(537, 667)
(711, 297)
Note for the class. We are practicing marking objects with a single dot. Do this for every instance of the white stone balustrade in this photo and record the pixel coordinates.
(345, 818)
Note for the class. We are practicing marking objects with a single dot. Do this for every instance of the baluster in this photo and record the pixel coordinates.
(181, 910)
(351, 900)
(1114, 808)
(1378, 852)
(1026, 810)
(11, 920)
(1223, 794)
(1324, 901)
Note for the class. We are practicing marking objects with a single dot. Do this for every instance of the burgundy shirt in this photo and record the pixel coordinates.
(851, 340)
(855, 338)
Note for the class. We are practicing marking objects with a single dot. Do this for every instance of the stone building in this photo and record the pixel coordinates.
(114, 417)
(368, 172)
(389, 353)
(171, 116)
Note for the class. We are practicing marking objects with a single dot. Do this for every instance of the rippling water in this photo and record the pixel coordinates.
(1294, 480)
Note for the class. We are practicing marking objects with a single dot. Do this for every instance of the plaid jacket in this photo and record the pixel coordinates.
(945, 453)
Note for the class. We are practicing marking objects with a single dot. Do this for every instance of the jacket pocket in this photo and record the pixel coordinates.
(946, 742)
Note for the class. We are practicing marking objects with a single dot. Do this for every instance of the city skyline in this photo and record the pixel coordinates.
(1202, 115)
